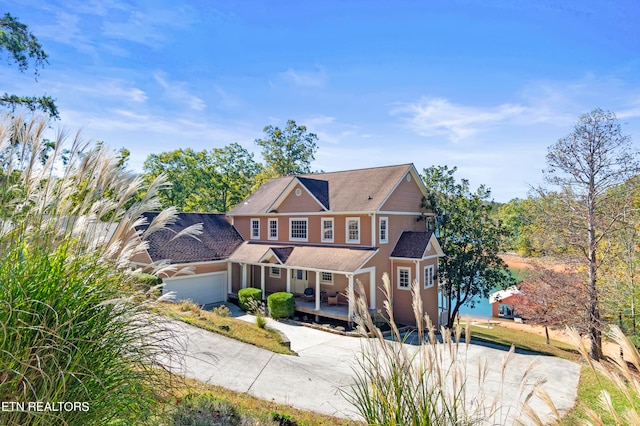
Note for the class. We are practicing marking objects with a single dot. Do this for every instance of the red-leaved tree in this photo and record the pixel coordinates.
(553, 298)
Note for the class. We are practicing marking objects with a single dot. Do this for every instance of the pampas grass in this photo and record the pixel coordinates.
(69, 330)
(427, 384)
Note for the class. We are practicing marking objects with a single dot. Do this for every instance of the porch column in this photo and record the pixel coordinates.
(351, 296)
(417, 262)
(317, 290)
(244, 275)
(288, 271)
(262, 286)
(229, 278)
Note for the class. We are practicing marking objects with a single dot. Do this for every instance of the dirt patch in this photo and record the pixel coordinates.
(516, 261)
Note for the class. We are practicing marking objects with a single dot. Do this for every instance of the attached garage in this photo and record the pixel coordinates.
(201, 288)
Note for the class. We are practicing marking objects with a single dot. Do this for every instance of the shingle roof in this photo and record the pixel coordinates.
(412, 245)
(338, 259)
(319, 189)
(344, 191)
(217, 242)
(282, 253)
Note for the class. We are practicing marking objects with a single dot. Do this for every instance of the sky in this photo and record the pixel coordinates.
(483, 85)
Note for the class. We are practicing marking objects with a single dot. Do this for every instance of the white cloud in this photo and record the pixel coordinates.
(437, 116)
(150, 27)
(305, 78)
(548, 103)
(178, 91)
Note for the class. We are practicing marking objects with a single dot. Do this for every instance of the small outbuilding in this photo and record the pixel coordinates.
(502, 302)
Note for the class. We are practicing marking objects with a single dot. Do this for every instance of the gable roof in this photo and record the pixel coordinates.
(318, 189)
(217, 241)
(414, 245)
(360, 190)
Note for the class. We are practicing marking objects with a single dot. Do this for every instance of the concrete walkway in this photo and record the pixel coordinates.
(324, 365)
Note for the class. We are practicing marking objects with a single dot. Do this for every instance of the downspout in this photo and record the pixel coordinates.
(373, 229)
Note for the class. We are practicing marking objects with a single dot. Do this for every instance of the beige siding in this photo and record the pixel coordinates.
(405, 198)
(314, 228)
(142, 257)
(298, 204)
(243, 226)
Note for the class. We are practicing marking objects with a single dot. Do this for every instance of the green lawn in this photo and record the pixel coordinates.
(236, 329)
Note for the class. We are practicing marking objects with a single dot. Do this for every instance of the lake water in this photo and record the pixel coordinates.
(482, 309)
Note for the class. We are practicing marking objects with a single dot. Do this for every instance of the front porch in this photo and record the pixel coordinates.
(337, 312)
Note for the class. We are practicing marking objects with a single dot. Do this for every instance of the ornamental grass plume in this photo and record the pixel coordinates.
(430, 383)
(71, 331)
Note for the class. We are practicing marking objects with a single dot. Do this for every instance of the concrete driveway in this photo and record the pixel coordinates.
(324, 365)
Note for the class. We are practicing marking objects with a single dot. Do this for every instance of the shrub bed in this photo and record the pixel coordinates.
(281, 305)
(246, 295)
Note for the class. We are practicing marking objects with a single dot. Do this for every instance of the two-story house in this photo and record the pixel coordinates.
(325, 231)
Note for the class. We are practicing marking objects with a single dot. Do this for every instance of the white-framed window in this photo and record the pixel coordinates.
(384, 230)
(429, 272)
(273, 229)
(274, 272)
(298, 229)
(353, 230)
(327, 229)
(326, 277)
(404, 278)
(255, 229)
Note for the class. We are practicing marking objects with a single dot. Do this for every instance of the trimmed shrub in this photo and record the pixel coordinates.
(281, 305)
(246, 295)
(147, 280)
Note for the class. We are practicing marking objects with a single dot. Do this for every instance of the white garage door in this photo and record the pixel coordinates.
(201, 288)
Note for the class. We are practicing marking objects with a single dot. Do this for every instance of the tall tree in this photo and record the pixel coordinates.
(289, 151)
(618, 287)
(235, 173)
(469, 237)
(204, 181)
(23, 48)
(190, 174)
(584, 166)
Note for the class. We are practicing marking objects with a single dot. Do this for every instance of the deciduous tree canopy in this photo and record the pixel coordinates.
(469, 237)
(23, 49)
(583, 169)
(289, 151)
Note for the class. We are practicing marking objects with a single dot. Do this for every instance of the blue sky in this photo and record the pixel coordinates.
(485, 85)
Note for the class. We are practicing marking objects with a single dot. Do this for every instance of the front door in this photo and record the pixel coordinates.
(300, 280)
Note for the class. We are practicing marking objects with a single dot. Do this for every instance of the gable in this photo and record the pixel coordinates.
(298, 200)
(361, 190)
(416, 245)
(406, 196)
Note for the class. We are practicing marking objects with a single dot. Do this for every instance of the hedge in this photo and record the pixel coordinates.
(281, 305)
(245, 296)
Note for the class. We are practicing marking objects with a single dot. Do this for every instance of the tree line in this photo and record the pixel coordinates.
(586, 213)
